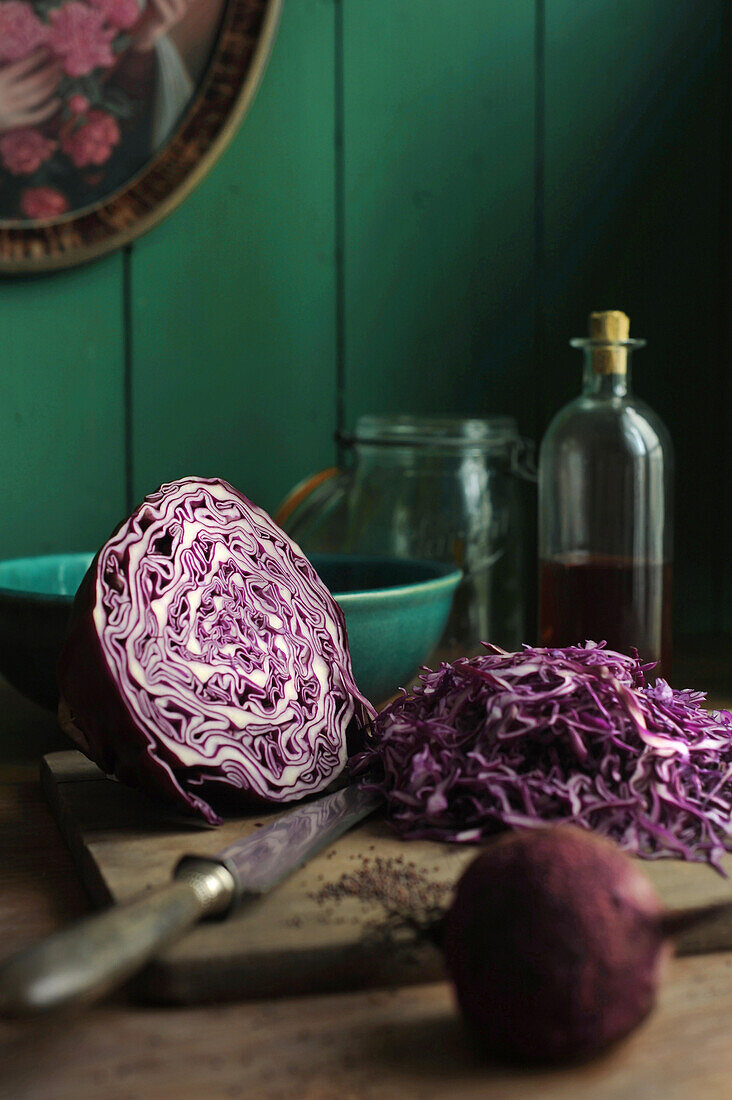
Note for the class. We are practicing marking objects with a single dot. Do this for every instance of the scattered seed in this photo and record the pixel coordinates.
(402, 891)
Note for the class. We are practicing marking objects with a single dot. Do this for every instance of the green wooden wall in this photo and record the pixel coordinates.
(418, 212)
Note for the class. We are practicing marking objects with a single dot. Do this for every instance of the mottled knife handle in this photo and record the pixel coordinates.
(87, 959)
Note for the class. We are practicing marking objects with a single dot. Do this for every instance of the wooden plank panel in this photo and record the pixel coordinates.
(632, 207)
(405, 1044)
(308, 933)
(725, 310)
(233, 297)
(62, 409)
(438, 105)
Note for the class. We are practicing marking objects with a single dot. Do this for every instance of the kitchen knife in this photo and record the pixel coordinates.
(82, 962)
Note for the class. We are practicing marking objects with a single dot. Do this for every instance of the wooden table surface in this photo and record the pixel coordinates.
(403, 1043)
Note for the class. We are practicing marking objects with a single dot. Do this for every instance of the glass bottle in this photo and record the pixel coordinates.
(605, 509)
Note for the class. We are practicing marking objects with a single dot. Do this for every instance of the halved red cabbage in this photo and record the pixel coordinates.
(206, 660)
(549, 736)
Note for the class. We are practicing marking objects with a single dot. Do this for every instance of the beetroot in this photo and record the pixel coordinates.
(555, 942)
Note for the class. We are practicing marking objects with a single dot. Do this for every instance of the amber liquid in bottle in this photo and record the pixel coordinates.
(609, 599)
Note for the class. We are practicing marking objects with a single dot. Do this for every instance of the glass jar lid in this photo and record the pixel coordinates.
(449, 433)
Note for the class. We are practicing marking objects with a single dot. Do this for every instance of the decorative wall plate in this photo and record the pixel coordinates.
(111, 111)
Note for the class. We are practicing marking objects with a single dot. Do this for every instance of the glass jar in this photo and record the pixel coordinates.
(447, 490)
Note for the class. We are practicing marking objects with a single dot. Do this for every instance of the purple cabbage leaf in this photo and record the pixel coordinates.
(206, 661)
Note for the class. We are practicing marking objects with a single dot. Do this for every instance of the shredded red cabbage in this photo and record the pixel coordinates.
(517, 740)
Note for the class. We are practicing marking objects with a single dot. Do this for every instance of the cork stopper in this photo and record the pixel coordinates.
(611, 325)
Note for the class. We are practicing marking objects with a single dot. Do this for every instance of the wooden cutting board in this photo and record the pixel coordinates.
(309, 934)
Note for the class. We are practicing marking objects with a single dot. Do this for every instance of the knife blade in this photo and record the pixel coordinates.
(81, 963)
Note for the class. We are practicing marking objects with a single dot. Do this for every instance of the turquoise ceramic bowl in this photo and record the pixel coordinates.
(395, 613)
(35, 602)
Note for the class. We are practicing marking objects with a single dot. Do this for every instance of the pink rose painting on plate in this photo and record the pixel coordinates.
(90, 91)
